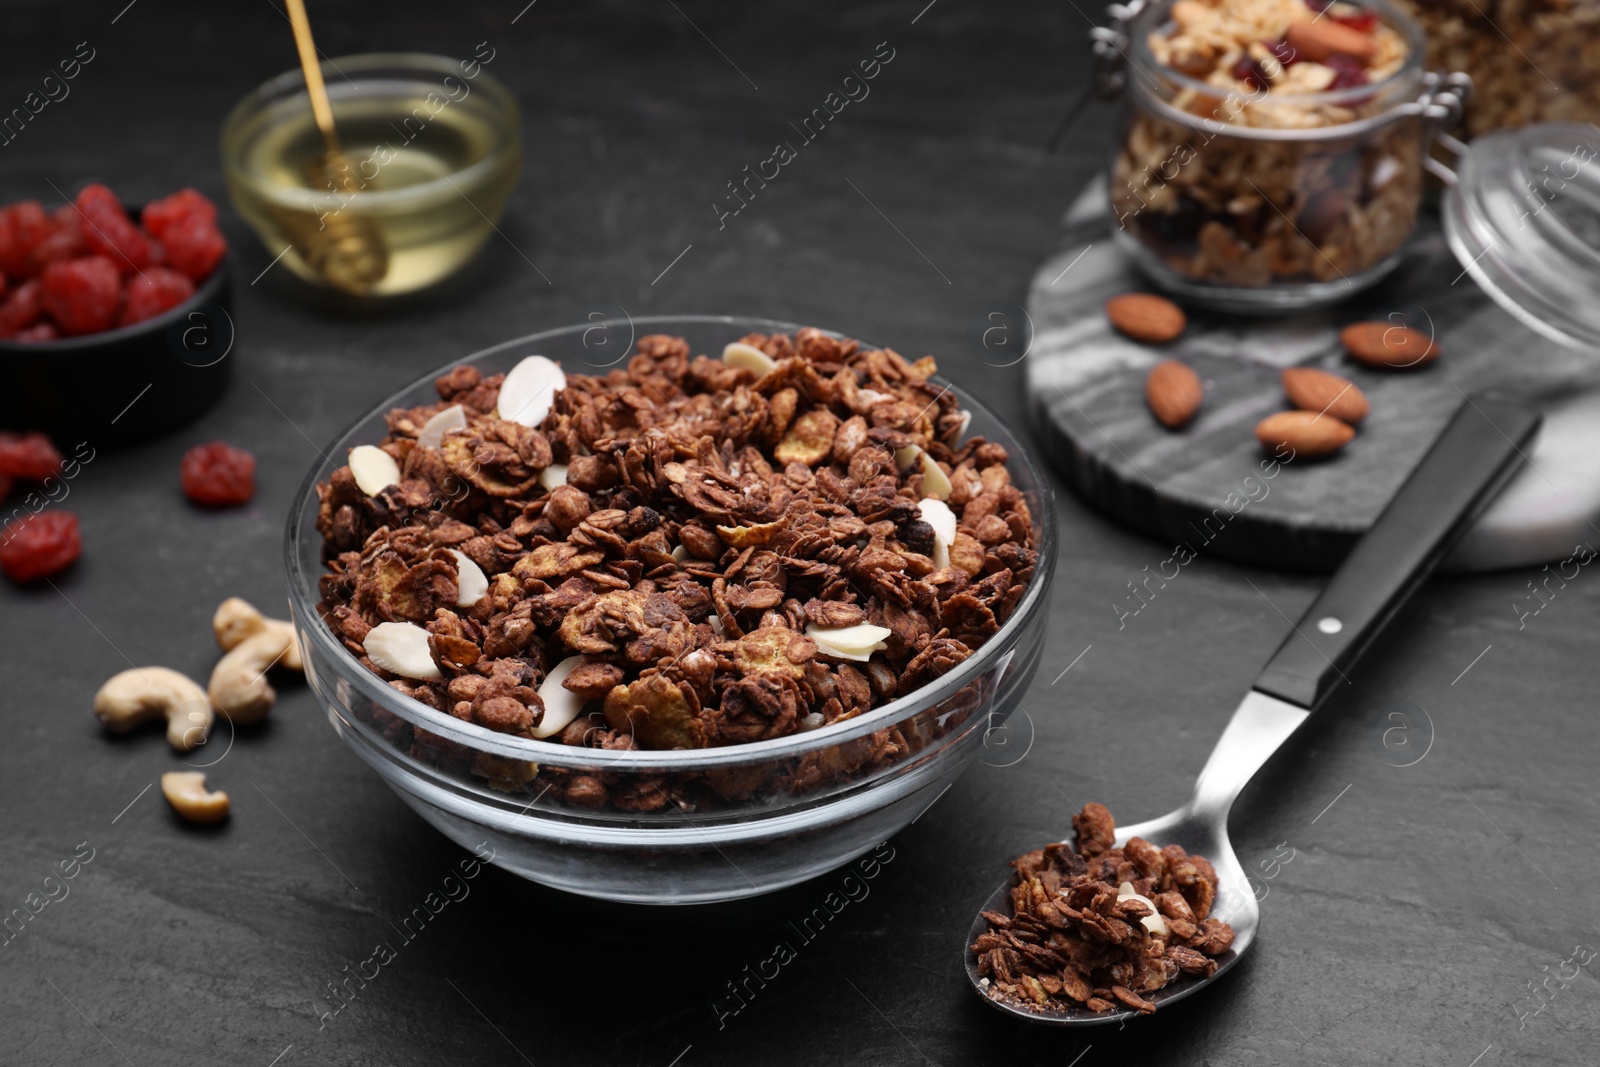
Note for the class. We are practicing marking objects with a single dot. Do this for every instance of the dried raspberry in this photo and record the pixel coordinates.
(217, 475)
(185, 203)
(81, 295)
(109, 232)
(194, 246)
(28, 457)
(20, 310)
(1349, 71)
(22, 226)
(41, 331)
(1283, 51)
(152, 292)
(1252, 73)
(40, 545)
(5, 487)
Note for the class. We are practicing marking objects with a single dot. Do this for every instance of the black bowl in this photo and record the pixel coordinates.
(128, 384)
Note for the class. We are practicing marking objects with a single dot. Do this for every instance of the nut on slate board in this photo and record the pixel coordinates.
(1383, 344)
(1146, 317)
(1307, 434)
(1173, 392)
(1315, 390)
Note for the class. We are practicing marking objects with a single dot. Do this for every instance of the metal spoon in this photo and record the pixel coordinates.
(347, 251)
(1478, 451)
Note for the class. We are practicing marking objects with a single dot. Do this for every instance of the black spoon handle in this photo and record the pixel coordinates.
(1480, 448)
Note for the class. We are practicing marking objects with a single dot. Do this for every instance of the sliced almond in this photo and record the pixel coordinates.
(856, 642)
(680, 555)
(751, 358)
(905, 457)
(471, 582)
(935, 482)
(432, 433)
(529, 390)
(402, 648)
(553, 476)
(561, 705)
(187, 793)
(1152, 922)
(872, 396)
(937, 513)
(954, 437)
(373, 469)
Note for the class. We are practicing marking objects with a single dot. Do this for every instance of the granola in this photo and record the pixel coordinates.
(1530, 60)
(1096, 926)
(1254, 211)
(696, 552)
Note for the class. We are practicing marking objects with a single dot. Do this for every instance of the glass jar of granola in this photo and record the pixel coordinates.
(1273, 154)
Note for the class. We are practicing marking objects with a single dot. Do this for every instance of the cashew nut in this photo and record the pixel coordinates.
(239, 687)
(186, 792)
(144, 694)
(237, 619)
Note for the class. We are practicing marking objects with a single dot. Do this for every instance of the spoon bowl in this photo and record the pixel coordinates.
(1478, 451)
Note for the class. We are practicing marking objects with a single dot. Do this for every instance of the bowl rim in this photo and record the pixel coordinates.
(291, 81)
(996, 651)
(204, 293)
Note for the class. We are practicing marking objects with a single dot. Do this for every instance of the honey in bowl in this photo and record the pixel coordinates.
(433, 153)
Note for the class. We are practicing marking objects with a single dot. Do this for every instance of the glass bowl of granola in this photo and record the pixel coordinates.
(682, 627)
(1274, 150)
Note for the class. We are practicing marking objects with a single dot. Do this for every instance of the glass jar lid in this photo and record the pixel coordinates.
(1523, 217)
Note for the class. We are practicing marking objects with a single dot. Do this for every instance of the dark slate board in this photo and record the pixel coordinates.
(1087, 401)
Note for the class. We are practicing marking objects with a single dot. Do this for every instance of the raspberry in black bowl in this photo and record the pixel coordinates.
(113, 325)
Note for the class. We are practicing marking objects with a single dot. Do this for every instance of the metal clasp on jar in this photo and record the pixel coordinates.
(1110, 44)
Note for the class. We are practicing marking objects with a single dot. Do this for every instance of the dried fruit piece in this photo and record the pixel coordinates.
(1307, 434)
(81, 295)
(37, 546)
(1317, 40)
(28, 457)
(218, 475)
(194, 247)
(1316, 390)
(402, 648)
(108, 232)
(152, 292)
(1146, 317)
(1174, 393)
(21, 309)
(42, 331)
(751, 358)
(23, 226)
(158, 215)
(529, 390)
(1383, 344)
(432, 433)
(373, 469)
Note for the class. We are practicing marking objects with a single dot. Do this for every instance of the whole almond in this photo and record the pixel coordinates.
(1383, 344)
(1173, 392)
(1315, 390)
(1305, 433)
(1318, 39)
(1146, 317)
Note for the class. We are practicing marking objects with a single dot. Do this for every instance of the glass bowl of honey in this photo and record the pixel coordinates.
(431, 152)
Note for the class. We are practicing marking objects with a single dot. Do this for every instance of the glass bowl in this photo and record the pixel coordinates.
(434, 151)
(810, 801)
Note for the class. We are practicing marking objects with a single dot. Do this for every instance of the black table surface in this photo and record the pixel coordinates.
(1424, 850)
